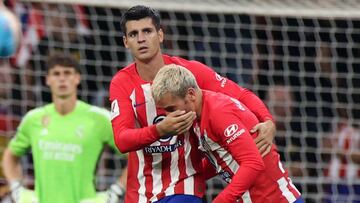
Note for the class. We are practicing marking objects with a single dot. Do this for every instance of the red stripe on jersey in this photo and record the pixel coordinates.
(179, 188)
(148, 176)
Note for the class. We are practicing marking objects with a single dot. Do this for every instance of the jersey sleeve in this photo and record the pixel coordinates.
(210, 80)
(102, 117)
(21, 142)
(127, 135)
(233, 136)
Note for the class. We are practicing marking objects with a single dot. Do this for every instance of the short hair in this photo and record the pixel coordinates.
(173, 79)
(62, 59)
(139, 12)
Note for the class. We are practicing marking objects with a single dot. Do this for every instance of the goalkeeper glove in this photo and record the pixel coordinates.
(20, 194)
(115, 193)
(16, 189)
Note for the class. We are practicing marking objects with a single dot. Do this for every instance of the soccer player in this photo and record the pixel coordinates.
(223, 129)
(66, 138)
(164, 164)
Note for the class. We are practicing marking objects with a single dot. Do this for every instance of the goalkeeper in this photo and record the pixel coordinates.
(66, 138)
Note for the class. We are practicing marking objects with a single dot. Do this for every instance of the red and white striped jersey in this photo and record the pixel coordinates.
(224, 137)
(171, 165)
(347, 140)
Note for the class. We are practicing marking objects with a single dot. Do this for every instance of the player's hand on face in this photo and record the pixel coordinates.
(176, 122)
(266, 133)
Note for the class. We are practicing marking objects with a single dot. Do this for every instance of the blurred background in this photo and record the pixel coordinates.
(301, 57)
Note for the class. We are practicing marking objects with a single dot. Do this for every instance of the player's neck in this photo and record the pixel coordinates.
(147, 70)
(199, 104)
(65, 105)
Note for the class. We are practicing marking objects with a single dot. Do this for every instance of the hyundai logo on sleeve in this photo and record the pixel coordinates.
(231, 130)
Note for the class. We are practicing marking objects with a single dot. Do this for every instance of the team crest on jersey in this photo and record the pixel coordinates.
(220, 79)
(165, 138)
(45, 120)
(238, 104)
(80, 131)
(115, 109)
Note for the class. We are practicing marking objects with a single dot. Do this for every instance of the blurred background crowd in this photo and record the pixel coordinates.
(306, 70)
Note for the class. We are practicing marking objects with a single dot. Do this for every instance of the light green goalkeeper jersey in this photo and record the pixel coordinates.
(65, 150)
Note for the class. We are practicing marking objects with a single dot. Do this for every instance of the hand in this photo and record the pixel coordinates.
(16, 189)
(21, 194)
(175, 123)
(115, 193)
(266, 133)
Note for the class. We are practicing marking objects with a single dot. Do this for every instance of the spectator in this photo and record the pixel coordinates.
(89, 48)
(281, 103)
(343, 145)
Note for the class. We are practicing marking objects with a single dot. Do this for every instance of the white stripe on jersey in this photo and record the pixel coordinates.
(150, 104)
(281, 167)
(141, 177)
(133, 102)
(157, 157)
(283, 186)
(189, 182)
(222, 153)
(293, 186)
(174, 170)
(246, 197)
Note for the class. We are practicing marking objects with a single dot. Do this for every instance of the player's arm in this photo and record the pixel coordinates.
(11, 164)
(210, 80)
(116, 192)
(128, 136)
(242, 147)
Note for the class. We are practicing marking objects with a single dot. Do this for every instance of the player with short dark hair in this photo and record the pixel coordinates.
(164, 162)
(66, 138)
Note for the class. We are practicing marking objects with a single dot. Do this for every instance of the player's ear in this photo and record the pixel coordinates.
(78, 79)
(47, 80)
(125, 42)
(161, 35)
(191, 94)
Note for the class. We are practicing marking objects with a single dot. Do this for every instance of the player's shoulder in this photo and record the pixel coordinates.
(37, 113)
(123, 74)
(95, 112)
(41, 110)
(216, 101)
(189, 64)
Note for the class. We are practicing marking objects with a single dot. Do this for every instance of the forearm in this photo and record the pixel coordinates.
(240, 183)
(134, 139)
(255, 105)
(11, 166)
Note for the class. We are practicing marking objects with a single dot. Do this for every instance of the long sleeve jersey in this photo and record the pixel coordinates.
(224, 136)
(171, 165)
